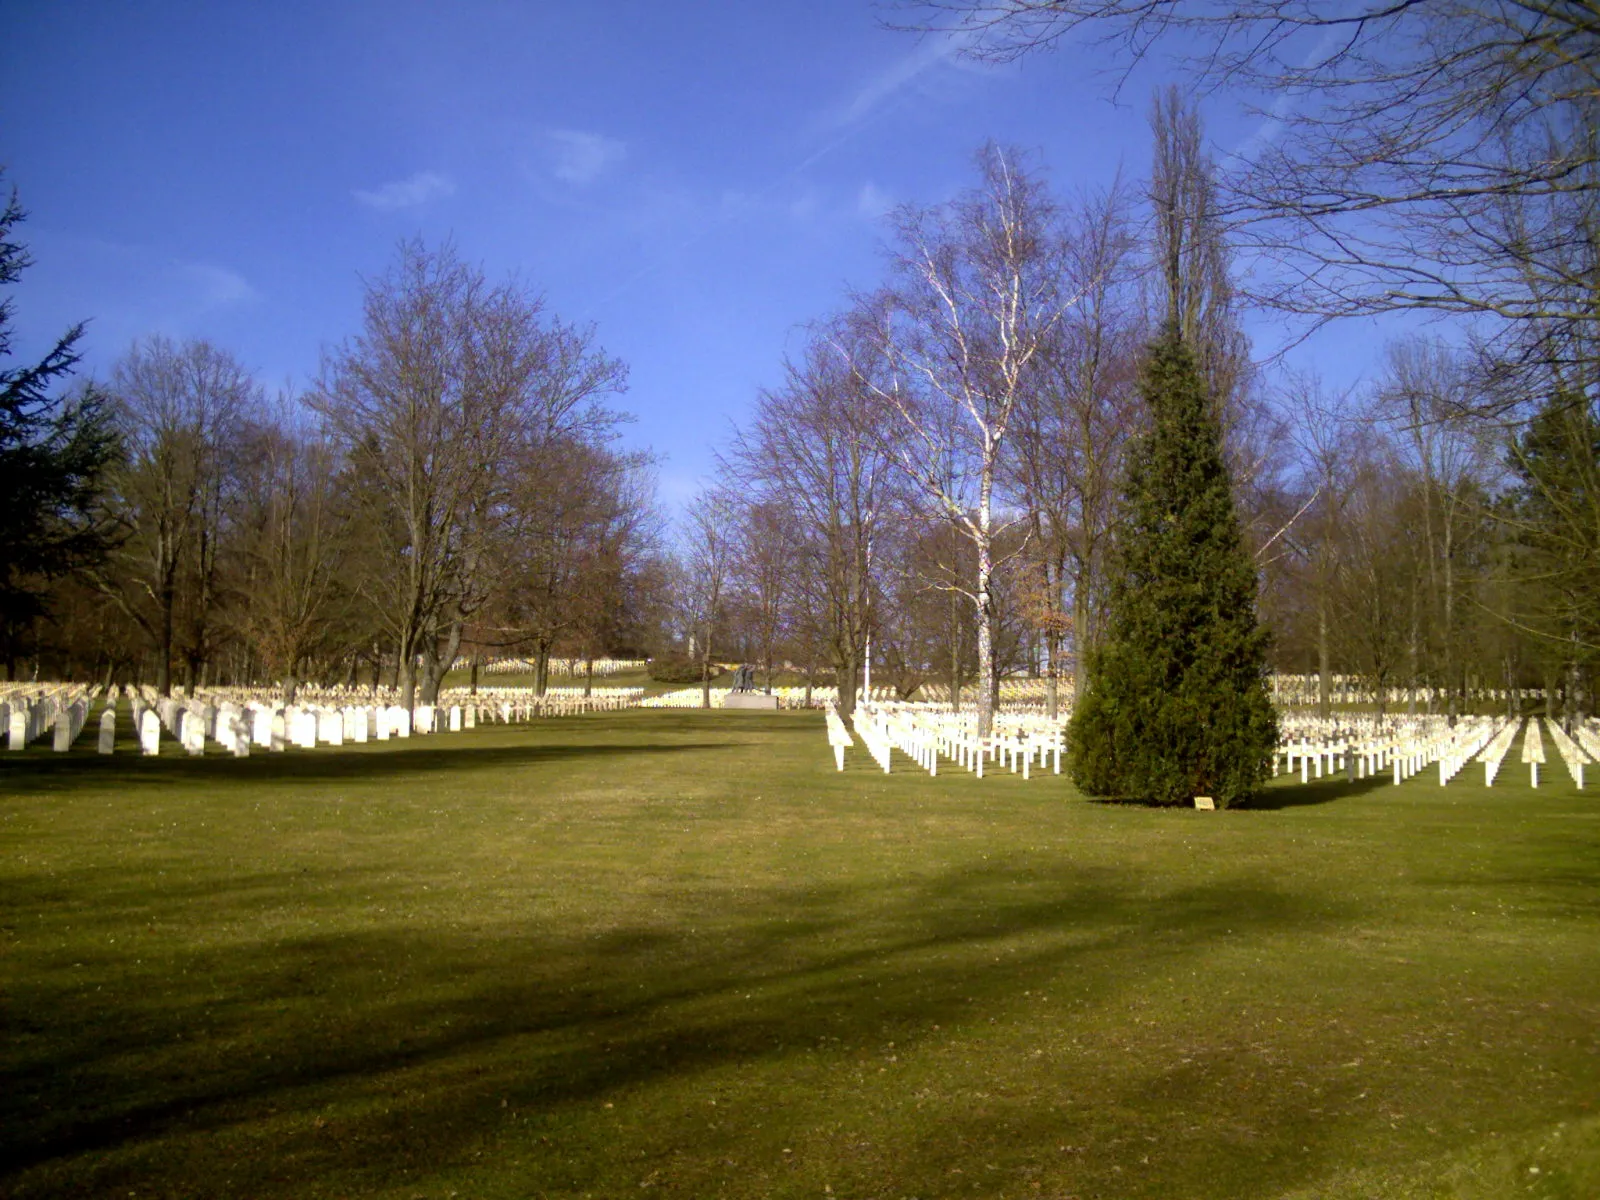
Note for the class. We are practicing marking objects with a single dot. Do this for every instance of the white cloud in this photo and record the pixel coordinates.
(217, 286)
(934, 50)
(581, 158)
(806, 205)
(407, 193)
(872, 202)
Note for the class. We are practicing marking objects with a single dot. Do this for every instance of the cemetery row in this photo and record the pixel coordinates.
(1020, 695)
(1292, 691)
(566, 666)
(1031, 695)
(237, 719)
(28, 712)
(1402, 747)
(925, 733)
(1358, 747)
(787, 697)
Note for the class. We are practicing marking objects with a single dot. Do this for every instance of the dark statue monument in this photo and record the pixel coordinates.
(743, 694)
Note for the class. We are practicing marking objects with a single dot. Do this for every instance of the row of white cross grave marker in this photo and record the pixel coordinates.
(1290, 690)
(1398, 746)
(1402, 747)
(238, 718)
(925, 734)
(787, 697)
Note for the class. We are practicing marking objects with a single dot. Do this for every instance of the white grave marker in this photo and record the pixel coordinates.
(150, 732)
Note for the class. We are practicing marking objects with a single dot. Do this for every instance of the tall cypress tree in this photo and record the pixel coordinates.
(1176, 704)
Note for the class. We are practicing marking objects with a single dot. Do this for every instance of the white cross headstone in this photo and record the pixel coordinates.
(108, 731)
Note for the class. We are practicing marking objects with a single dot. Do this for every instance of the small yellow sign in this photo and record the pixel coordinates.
(1205, 802)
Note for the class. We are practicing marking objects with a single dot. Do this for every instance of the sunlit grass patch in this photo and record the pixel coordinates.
(677, 952)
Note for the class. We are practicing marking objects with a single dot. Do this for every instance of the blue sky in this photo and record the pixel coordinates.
(697, 179)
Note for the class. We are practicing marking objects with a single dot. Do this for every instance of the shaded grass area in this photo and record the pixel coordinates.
(677, 953)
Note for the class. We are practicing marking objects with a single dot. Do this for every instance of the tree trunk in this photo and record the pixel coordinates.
(955, 653)
(1448, 651)
(431, 674)
(1082, 631)
(1051, 639)
(986, 676)
(405, 674)
(1416, 667)
(1324, 700)
(436, 666)
(166, 602)
(848, 669)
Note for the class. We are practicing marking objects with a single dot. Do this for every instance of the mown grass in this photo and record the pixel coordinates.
(676, 953)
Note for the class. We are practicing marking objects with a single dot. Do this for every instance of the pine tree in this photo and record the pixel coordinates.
(1176, 704)
(53, 454)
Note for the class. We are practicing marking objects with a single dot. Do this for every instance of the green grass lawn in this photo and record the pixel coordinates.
(674, 953)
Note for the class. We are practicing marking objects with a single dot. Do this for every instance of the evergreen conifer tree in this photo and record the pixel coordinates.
(1176, 704)
(54, 451)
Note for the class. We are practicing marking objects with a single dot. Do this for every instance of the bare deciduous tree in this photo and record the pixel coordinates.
(1439, 156)
(450, 377)
(1072, 426)
(1425, 395)
(766, 558)
(977, 295)
(179, 409)
(709, 543)
(290, 534)
(814, 452)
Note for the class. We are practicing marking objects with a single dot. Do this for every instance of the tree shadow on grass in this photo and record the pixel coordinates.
(1294, 794)
(37, 774)
(352, 1059)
